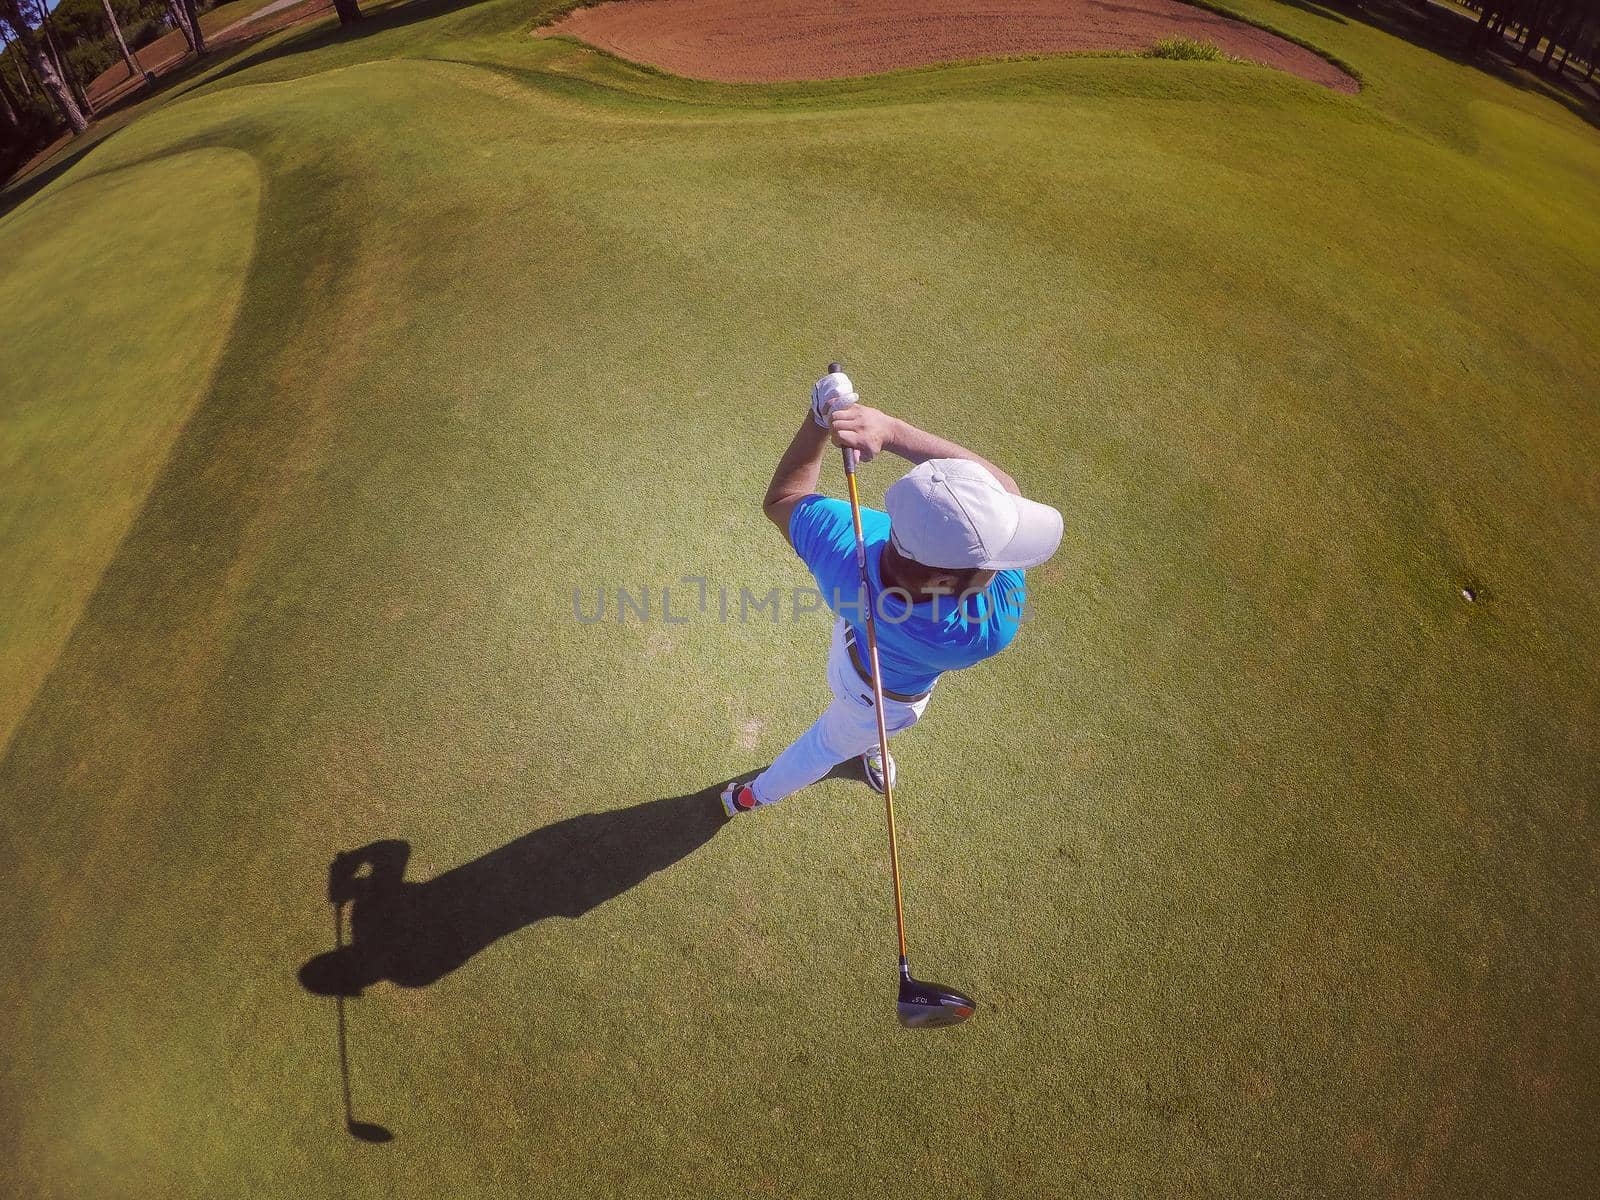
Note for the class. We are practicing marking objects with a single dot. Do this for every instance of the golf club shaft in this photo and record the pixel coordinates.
(338, 1004)
(877, 699)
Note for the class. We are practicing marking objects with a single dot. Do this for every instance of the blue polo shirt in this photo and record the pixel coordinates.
(916, 642)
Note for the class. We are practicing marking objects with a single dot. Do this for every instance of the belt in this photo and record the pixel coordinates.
(866, 676)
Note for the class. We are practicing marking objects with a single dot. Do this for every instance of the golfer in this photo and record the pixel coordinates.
(945, 564)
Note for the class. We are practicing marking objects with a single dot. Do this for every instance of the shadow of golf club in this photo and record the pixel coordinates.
(364, 1131)
(413, 933)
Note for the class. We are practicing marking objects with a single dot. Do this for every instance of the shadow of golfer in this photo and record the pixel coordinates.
(414, 933)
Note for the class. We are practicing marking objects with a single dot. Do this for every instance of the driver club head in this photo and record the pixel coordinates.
(931, 1005)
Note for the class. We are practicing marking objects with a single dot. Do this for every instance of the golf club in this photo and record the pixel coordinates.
(920, 1005)
(365, 1131)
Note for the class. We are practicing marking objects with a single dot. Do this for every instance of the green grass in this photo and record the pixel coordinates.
(1187, 49)
(1270, 859)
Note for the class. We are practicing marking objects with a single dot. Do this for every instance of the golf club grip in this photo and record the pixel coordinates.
(850, 457)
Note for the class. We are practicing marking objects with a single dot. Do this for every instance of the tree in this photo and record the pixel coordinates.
(1559, 33)
(8, 104)
(349, 11)
(187, 19)
(43, 69)
(1585, 32)
(5, 48)
(116, 30)
(180, 21)
(1530, 38)
(1558, 23)
(197, 37)
(53, 45)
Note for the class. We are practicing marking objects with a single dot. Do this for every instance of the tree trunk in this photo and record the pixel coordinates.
(27, 84)
(180, 22)
(8, 95)
(116, 30)
(1566, 49)
(49, 78)
(1555, 24)
(62, 65)
(1527, 13)
(348, 10)
(1480, 32)
(1570, 42)
(7, 106)
(197, 36)
(1531, 38)
(1549, 47)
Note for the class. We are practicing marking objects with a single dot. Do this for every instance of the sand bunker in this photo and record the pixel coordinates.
(748, 41)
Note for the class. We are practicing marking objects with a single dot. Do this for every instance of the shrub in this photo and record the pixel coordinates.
(144, 31)
(1187, 48)
(88, 58)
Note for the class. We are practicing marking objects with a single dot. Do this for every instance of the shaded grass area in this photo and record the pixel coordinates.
(1269, 858)
(144, 321)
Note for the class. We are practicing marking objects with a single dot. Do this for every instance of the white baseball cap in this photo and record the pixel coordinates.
(953, 513)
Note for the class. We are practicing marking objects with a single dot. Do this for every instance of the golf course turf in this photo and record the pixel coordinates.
(346, 377)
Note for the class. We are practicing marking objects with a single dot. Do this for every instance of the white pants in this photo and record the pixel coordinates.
(846, 728)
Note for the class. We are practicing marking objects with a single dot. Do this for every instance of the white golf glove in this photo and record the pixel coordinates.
(831, 393)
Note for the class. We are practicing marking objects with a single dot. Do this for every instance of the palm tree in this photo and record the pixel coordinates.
(43, 68)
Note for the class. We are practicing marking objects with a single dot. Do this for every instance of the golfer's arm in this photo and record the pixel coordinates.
(918, 446)
(796, 476)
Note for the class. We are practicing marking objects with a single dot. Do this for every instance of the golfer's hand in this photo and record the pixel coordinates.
(862, 429)
(831, 394)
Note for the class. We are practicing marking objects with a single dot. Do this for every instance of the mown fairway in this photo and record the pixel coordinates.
(1273, 861)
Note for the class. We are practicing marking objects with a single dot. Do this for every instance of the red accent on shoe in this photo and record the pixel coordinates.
(746, 799)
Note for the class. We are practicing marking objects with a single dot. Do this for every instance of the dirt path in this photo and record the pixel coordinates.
(264, 11)
(746, 41)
